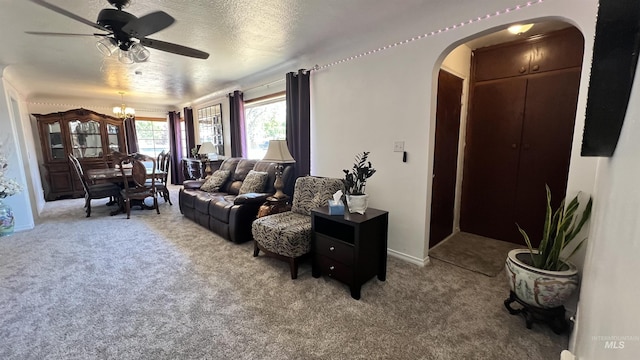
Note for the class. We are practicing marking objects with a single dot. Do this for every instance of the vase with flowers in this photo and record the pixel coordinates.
(355, 181)
(8, 187)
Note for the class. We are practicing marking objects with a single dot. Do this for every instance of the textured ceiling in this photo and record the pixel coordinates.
(243, 37)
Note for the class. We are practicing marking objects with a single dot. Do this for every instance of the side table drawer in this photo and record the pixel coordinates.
(332, 248)
(335, 269)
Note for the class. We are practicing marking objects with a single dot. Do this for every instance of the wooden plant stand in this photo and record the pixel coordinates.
(554, 317)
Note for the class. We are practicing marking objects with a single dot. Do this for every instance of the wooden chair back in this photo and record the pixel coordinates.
(139, 172)
(75, 163)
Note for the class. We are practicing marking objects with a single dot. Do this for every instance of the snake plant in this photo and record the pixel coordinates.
(560, 229)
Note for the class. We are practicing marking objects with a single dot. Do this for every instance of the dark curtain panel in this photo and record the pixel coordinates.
(131, 136)
(236, 109)
(299, 121)
(175, 146)
(189, 127)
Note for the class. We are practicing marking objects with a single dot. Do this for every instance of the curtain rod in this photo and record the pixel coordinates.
(316, 67)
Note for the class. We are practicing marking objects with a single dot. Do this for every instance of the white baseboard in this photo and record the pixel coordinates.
(567, 355)
(408, 258)
(24, 227)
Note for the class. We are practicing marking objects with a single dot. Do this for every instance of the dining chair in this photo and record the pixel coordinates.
(93, 191)
(164, 165)
(135, 182)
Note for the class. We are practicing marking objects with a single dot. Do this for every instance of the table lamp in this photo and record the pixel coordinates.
(278, 152)
(205, 149)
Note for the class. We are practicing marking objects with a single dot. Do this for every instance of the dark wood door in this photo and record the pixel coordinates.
(545, 154)
(491, 158)
(445, 156)
(519, 134)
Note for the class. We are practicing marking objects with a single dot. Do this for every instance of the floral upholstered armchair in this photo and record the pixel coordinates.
(287, 235)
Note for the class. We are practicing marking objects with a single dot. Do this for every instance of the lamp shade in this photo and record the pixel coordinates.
(278, 152)
(207, 148)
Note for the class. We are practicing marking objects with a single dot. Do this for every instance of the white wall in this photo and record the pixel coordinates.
(29, 148)
(610, 286)
(10, 145)
(371, 101)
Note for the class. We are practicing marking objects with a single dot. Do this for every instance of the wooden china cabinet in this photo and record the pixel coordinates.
(88, 135)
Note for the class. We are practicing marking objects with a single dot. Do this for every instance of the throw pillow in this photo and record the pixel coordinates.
(215, 181)
(254, 182)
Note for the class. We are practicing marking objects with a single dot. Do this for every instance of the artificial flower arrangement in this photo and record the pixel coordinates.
(8, 187)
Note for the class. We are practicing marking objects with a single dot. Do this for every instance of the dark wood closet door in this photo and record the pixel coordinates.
(445, 160)
(547, 135)
(491, 158)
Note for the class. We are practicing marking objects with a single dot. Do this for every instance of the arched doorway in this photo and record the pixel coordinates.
(518, 134)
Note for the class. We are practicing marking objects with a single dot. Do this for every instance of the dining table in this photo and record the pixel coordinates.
(114, 175)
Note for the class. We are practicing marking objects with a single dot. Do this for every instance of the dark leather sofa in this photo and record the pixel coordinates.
(225, 212)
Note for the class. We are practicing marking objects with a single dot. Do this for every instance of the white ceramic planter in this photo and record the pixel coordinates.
(357, 203)
(540, 288)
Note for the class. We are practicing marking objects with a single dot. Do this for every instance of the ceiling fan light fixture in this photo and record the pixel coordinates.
(139, 52)
(107, 46)
(124, 30)
(519, 29)
(125, 57)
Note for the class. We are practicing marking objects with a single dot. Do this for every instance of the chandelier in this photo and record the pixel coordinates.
(123, 111)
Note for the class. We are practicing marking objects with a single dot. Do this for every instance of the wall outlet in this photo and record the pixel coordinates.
(398, 146)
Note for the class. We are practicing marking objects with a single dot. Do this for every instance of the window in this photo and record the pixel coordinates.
(210, 126)
(265, 120)
(183, 139)
(153, 136)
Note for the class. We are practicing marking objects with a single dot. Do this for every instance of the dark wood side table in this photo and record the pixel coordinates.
(351, 248)
(274, 206)
(193, 169)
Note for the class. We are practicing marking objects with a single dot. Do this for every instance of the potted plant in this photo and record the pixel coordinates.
(541, 277)
(355, 181)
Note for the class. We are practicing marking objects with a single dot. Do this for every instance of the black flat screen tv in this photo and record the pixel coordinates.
(615, 57)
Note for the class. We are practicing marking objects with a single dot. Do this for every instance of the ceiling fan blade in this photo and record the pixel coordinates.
(66, 13)
(148, 24)
(60, 34)
(174, 48)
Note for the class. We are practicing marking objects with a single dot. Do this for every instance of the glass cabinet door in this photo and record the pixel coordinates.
(86, 140)
(56, 148)
(113, 132)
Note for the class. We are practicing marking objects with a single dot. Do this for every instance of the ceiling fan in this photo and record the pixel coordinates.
(125, 33)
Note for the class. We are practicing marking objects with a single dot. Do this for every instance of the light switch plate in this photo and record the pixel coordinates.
(398, 146)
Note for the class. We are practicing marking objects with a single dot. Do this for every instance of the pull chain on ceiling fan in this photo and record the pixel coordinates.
(125, 33)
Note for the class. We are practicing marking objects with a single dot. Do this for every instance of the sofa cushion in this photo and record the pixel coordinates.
(254, 182)
(201, 202)
(220, 207)
(229, 164)
(286, 233)
(215, 181)
(241, 170)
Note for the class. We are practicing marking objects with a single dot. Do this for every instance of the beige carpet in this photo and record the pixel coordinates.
(474, 252)
(163, 287)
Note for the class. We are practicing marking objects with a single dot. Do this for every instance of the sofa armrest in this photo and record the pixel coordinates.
(193, 184)
(251, 198)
